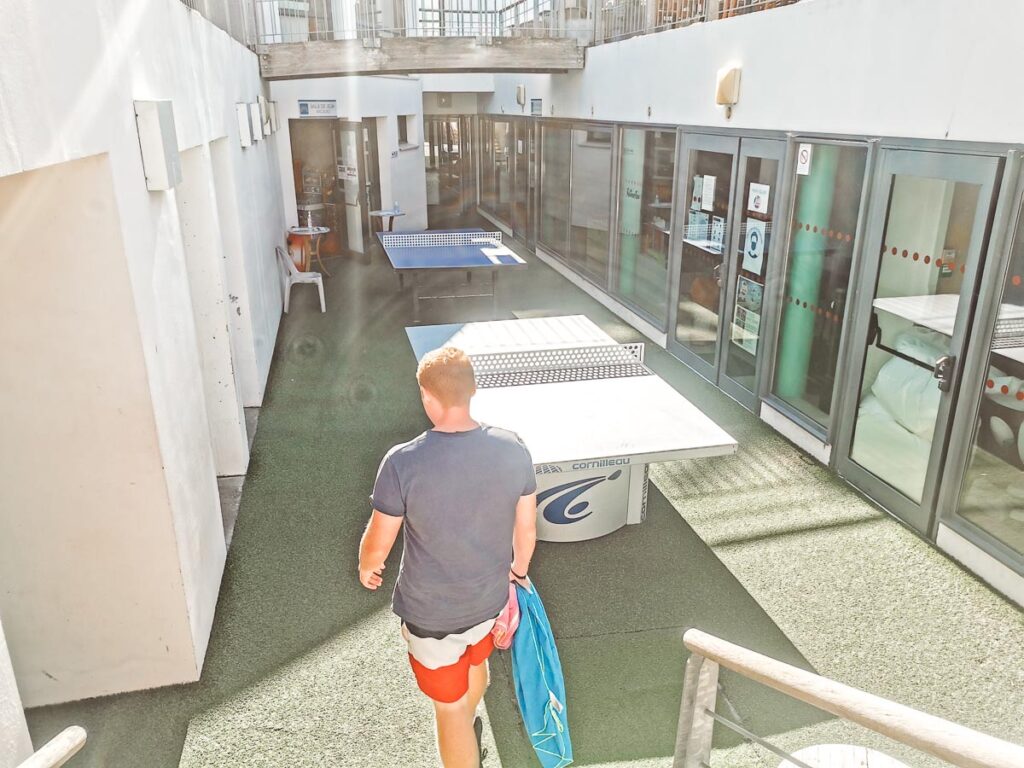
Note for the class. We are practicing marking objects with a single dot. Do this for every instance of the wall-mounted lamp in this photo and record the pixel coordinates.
(521, 95)
(727, 94)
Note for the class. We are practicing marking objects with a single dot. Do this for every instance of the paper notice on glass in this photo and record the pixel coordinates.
(746, 329)
(757, 201)
(707, 194)
(753, 246)
(803, 159)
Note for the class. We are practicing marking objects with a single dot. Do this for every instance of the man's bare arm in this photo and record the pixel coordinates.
(524, 536)
(375, 546)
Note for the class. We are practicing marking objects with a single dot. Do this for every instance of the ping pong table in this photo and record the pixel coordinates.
(592, 414)
(420, 254)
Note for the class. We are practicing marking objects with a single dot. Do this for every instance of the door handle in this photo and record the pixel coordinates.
(943, 372)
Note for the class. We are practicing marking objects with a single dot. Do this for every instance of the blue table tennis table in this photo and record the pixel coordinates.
(433, 252)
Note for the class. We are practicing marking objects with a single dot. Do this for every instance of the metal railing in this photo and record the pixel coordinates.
(57, 750)
(298, 21)
(619, 19)
(233, 16)
(941, 738)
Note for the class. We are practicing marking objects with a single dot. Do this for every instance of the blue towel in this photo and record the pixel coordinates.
(540, 687)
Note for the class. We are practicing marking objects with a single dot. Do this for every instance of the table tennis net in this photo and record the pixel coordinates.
(438, 239)
(1009, 333)
(551, 366)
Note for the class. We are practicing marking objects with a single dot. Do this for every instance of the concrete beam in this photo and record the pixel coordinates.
(402, 55)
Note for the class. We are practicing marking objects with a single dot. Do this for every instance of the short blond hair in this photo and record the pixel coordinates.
(447, 374)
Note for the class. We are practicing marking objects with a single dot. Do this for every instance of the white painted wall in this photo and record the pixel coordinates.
(204, 261)
(149, 509)
(402, 177)
(93, 598)
(15, 744)
(917, 68)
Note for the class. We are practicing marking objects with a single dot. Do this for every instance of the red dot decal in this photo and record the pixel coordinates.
(1004, 389)
(1020, 395)
(927, 259)
(905, 253)
(815, 228)
(1016, 279)
(938, 263)
(917, 256)
(894, 251)
(990, 384)
(848, 237)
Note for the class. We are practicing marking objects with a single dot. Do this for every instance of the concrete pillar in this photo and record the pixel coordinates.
(814, 206)
(629, 207)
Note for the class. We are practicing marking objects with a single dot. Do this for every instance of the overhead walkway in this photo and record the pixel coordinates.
(306, 668)
(318, 39)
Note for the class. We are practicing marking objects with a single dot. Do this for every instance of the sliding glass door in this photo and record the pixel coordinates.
(987, 445)
(703, 226)
(928, 228)
(725, 221)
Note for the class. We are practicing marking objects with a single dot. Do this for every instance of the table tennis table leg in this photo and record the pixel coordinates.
(494, 294)
(416, 298)
(636, 509)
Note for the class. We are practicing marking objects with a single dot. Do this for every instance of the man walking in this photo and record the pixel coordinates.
(466, 493)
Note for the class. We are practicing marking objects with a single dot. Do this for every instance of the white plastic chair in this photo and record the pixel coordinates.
(293, 275)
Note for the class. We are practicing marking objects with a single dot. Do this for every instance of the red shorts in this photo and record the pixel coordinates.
(441, 665)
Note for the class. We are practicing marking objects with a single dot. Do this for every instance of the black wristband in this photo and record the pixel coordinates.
(521, 578)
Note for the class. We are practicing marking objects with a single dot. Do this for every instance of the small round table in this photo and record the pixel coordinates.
(390, 215)
(311, 247)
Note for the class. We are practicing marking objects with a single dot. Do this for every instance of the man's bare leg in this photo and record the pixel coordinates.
(478, 680)
(455, 738)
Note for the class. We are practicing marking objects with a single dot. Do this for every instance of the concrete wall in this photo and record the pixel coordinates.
(124, 524)
(918, 68)
(15, 744)
(402, 174)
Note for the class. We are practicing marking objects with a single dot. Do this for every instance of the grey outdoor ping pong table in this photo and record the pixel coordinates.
(448, 253)
(592, 414)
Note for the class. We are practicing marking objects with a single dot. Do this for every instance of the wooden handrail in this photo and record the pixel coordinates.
(954, 743)
(58, 750)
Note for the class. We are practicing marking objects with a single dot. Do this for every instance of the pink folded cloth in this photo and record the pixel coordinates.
(508, 620)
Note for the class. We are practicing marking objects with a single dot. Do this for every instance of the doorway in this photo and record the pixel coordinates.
(725, 212)
(336, 170)
(448, 158)
(927, 230)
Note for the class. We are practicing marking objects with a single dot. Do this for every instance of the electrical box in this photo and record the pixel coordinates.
(159, 143)
(244, 131)
(254, 119)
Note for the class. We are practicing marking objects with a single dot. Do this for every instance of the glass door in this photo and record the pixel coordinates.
(703, 227)
(927, 230)
(987, 451)
(521, 177)
(758, 193)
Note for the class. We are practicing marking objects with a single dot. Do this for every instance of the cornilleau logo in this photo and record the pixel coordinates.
(561, 508)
